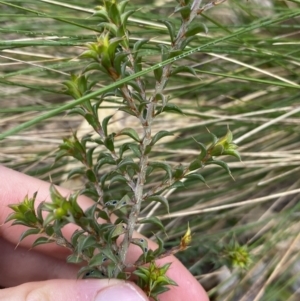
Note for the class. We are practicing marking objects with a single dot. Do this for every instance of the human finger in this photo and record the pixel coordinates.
(19, 265)
(70, 290)
(14, 186)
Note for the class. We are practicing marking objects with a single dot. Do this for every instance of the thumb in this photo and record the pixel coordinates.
(70, 290)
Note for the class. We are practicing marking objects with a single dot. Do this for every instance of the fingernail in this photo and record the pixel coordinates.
(122, 292)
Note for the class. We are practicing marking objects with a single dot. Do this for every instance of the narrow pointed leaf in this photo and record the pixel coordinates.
(170, 107)
(161, 199)
(221, 164)
(163, 166)
(196, 176)
(232, 152)
(186, 69)
(29, 232)
(194, 29)
(195, 164)
(41, 241)
(170, 28)
(131, 133)
(138, 45)
(152, 220)
(74, 258)
(97, 260)
(105, 123)
(109, 143)
(142, 243)
(76, 171)
(160, 135)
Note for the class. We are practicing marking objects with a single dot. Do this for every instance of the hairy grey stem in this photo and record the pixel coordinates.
(147, 123)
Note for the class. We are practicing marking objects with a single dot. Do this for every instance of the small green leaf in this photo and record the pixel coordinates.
(194, 29)
(142, 243)
(112, 28)
(105, 160)
(119, 60)
(39, 212)
(29, 232)
(216, 150)
(177, 184)
(128, 162)
(49, 218)
(105, 123)
(102, 14)
(221, 164)
(123, 148)
(118, 204)
(163, 166)
(97, 260)
(185, 69)
(102, 214)
(169, 107)
(109, 254)
(196, 176)
(159, 97)
(160, 135)
(152, 220)
(147, 149)
(232, 152)
(118, 178)
(75, 236)
(171, 29)
(160, 248)
(74, 258)
(118, 230)
(135, 148)
(98, 141)
(137, 67)
(92, 274)
(79, 111)
(138, 45)
(92, 120)
(125, 16)
(175, 52)
(141, 273)
(214, 138)
(178, 173)
(158, 73)
(114, 13)
(84, 242)
(186, 41)
(42, 240)
(185, 11)
(159, 198)
(76, 171)
(164, 49)
(127, 110)
(135, 85)
(109, 143)
(49, 230)
(203, 153)
(94, 65)
(131, 133)
(195, 164)
(91, 176)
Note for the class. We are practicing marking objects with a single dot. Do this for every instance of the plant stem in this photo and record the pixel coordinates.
(147, 123)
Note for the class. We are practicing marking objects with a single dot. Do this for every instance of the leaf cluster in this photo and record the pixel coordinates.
(105, 229)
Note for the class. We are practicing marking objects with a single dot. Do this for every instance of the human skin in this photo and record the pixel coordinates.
(21, 267)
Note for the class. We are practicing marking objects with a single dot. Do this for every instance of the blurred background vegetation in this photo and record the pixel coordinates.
(249, 82)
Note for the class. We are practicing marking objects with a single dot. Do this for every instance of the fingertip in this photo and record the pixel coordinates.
(70, 290)
(128, 291)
